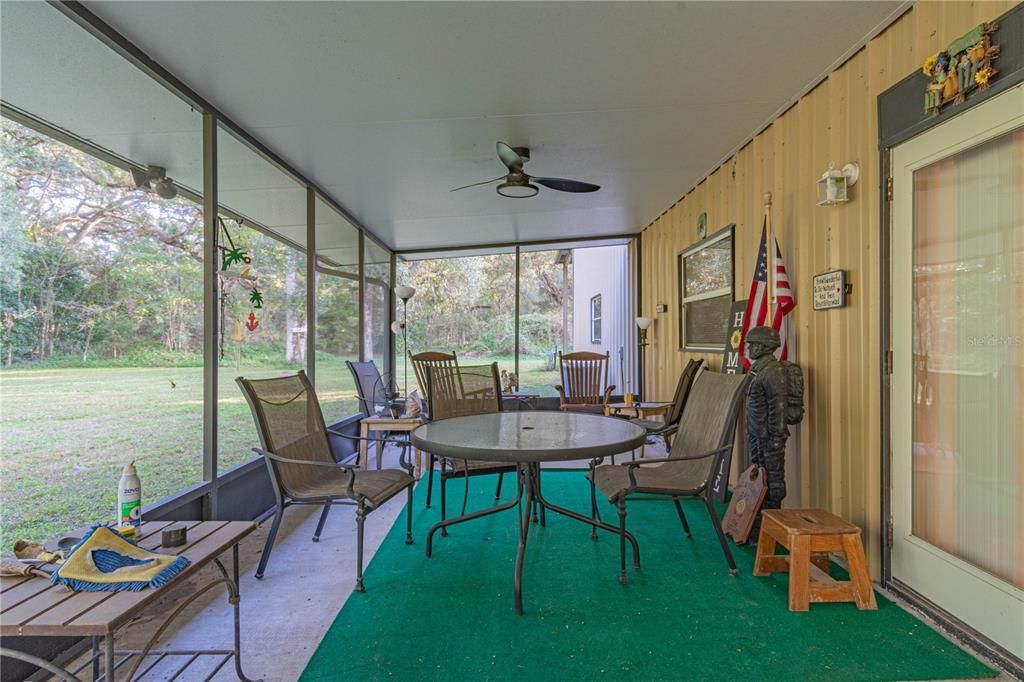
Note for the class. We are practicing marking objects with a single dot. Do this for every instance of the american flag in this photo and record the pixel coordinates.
(759, 299)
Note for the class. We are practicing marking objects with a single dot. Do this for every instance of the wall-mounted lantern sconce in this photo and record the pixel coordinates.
(834, 185)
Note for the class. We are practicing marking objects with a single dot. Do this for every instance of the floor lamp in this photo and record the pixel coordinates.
(644, 324)
(405, 293)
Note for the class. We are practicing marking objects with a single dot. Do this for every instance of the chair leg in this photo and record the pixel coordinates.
(444, 500)
(721, 536)
(682, 517)
(543, 514)
(360, 521)
(622, 542)
(593, 503)
(497, 491)
(323, 519)
(269, 544)
(408, 518)
(430, 479)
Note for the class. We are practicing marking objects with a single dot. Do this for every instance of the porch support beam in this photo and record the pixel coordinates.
(211, 311)
(311, 286)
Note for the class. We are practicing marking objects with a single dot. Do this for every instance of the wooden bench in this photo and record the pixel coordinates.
(809, 535)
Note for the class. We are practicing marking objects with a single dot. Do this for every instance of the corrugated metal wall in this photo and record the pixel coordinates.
(835, 459)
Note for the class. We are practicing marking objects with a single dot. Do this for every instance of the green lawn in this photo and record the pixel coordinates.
(66, 433)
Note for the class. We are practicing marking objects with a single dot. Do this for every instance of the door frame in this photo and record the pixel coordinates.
(901, 117)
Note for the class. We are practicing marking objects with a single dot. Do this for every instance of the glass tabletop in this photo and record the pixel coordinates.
(528, 437)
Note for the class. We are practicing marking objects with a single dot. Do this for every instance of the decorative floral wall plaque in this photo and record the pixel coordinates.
(964, 66)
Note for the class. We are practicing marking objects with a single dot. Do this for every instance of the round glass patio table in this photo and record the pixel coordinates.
(527, 439)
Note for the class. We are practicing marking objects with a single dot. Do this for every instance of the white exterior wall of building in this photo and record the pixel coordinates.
(605, 271)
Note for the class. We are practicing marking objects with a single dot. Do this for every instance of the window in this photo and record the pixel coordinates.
(595, 319)
(705, 292)
(262, 330)
(337, 312)
(102, 308)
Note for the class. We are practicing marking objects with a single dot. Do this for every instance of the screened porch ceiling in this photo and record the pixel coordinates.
(387, 106)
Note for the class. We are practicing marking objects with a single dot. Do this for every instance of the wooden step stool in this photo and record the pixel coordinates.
(809, 535)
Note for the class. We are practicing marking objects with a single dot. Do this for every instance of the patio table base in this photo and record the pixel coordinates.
(528, 488)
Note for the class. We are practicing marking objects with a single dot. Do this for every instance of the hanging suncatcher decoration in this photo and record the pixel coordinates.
(231, 254)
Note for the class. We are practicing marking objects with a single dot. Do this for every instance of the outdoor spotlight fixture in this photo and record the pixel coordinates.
(155, 178)
(405, 293)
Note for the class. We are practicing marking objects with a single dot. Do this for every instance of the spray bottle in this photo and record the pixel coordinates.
(129, 501)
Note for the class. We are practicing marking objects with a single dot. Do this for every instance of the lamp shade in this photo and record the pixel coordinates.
(405, 293)
(396, 327)
(644, 322)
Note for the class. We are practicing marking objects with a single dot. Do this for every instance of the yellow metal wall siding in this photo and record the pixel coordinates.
(834, 460)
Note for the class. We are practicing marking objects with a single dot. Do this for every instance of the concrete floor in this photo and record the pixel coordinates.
(286, 614)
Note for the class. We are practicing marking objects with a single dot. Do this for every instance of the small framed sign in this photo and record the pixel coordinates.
(830, 290)
(732, 363)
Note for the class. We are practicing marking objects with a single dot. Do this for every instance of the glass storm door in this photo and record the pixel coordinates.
(958, 367)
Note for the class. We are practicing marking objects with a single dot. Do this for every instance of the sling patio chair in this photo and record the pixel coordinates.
(302, 468)
(459, 392)
(705, 435)
(666, 429)
(584, 386)
(372, 392)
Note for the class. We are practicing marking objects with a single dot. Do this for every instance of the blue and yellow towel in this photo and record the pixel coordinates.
(107, 562)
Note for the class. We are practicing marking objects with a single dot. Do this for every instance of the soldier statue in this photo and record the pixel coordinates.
(774, 401)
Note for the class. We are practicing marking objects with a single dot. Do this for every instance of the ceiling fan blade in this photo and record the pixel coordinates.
(477, 184)
(564, 185)
(510, 157)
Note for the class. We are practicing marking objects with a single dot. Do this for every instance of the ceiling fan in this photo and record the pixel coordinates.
(517, 184)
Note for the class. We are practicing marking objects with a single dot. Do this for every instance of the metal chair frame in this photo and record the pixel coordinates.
(440, 379)
(667, 429)
(634, 492)
(283, 498)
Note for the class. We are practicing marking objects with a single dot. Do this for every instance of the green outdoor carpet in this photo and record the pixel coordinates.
(682, 616)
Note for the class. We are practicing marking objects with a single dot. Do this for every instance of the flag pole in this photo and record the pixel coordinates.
(770, 252)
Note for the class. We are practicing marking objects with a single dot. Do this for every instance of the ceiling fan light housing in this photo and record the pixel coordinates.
(517, 190)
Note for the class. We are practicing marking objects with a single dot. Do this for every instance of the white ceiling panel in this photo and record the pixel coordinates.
(389, 105)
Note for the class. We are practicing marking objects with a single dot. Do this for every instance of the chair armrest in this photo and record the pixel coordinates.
(561, 393)
(348, 468)
(279, 458)
(704, 455)
(660, 460)
(608, 393)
